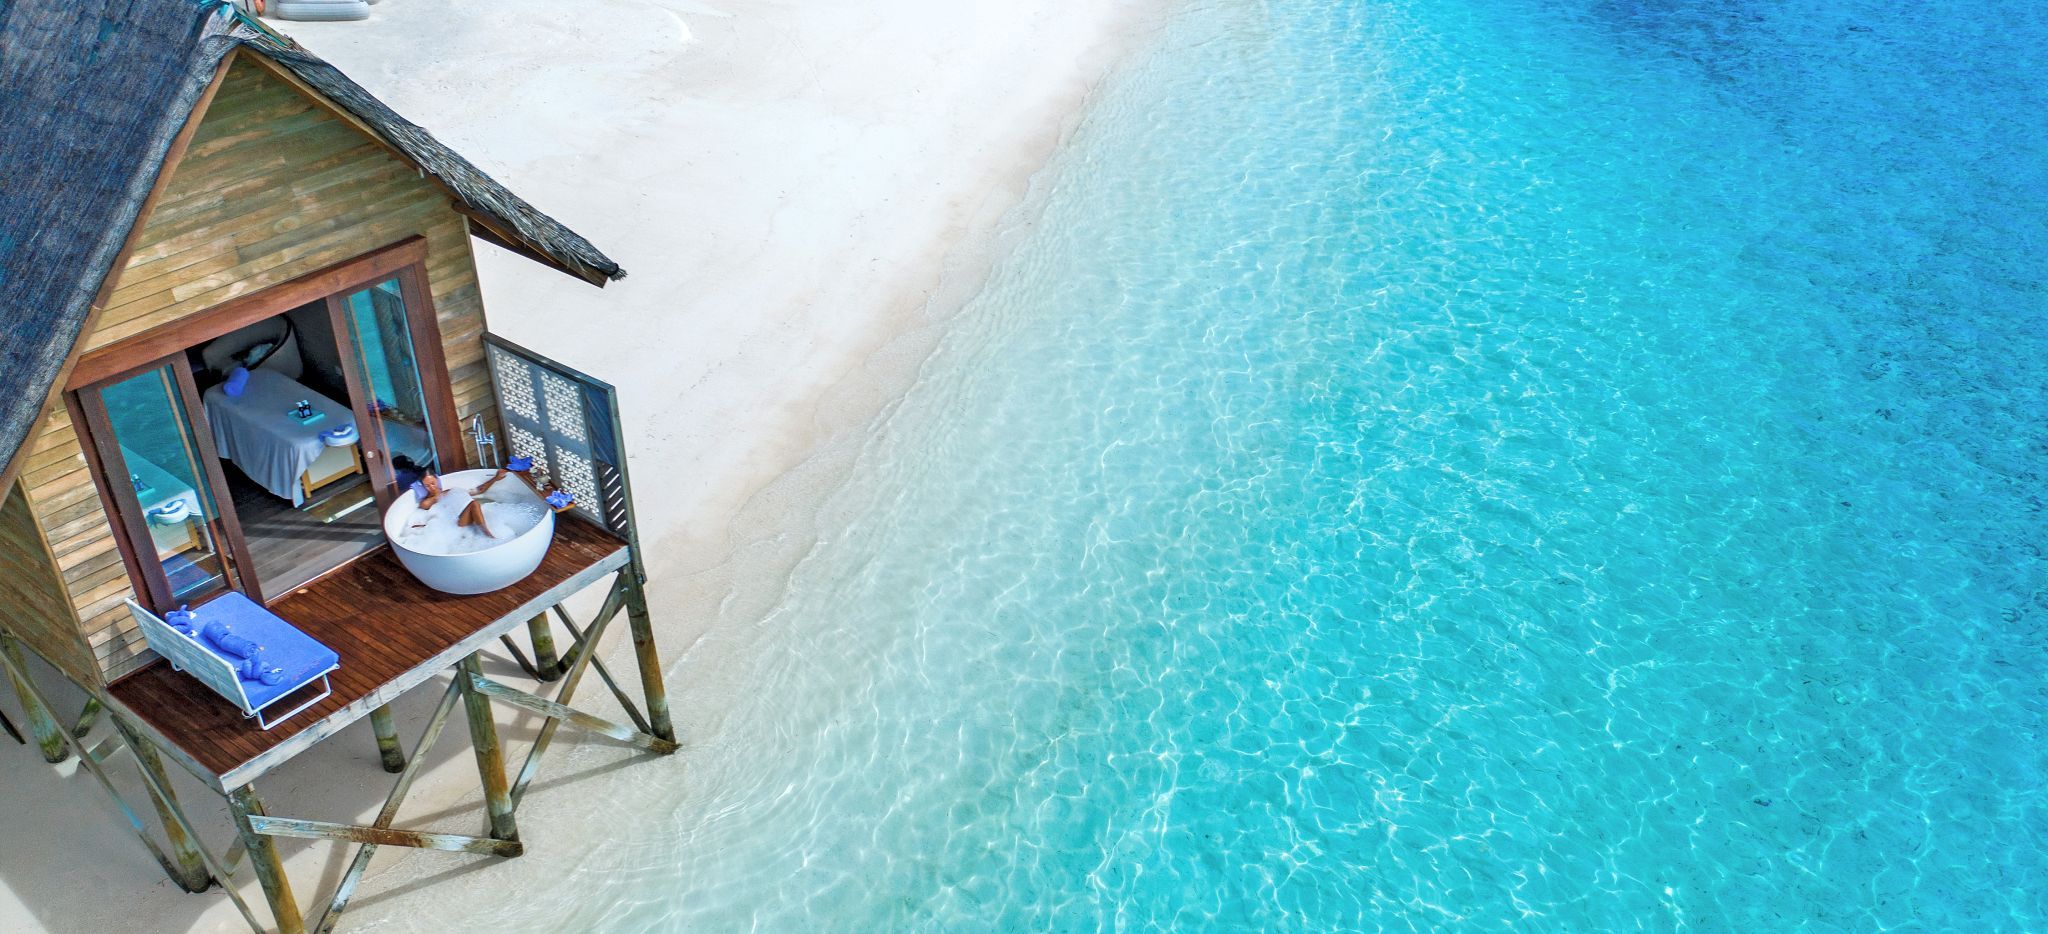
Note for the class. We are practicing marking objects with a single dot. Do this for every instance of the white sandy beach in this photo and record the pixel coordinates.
(800, 191)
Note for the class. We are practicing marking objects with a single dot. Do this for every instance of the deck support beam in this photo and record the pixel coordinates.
(160, 790)
(490, 757)
(175, 826)
(50, 736)
(383, 836)
(388, 749)
(243, 805)
(547, 666)
(191, 874)
(651, 683)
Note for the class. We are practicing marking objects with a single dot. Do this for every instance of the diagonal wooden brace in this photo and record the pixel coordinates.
(632, 709)
(519, 655)
(346, 889)
(613, 602)
(570, 715)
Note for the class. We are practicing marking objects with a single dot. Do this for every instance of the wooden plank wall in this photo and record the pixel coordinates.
(33, 604)
(273, 186)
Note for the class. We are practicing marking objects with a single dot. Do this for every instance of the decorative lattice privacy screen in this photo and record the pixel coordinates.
(569, 424)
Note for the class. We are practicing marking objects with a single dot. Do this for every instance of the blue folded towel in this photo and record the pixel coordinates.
(519, 464)
(561, 499)
(181, 620)
(235, 648)
(238, 381)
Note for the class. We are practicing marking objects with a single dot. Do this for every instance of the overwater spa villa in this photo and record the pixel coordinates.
(266, 468)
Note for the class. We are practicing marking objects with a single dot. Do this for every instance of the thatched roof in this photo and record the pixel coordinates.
(92, 94)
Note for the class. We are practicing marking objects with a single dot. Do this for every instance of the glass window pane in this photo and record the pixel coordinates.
(160, 463)
(387, 370)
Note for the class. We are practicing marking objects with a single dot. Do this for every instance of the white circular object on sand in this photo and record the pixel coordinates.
(317, 11)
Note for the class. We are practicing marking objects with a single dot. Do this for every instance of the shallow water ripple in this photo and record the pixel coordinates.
(1574, 465)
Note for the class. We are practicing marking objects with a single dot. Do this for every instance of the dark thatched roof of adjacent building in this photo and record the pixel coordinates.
(92, 95)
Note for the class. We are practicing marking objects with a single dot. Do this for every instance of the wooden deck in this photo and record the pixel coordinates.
(392, 633)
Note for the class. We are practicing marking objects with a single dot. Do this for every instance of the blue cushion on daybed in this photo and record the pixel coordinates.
(299, 655)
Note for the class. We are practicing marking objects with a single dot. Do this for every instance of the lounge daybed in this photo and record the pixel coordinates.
(284, 662)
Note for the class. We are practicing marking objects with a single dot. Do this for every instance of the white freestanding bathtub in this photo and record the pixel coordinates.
(494, 568)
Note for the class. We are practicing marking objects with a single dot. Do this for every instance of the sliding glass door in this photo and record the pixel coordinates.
(389, 370)
(163, 476)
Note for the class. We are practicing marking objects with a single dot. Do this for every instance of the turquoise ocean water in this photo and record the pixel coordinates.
(1571, 465)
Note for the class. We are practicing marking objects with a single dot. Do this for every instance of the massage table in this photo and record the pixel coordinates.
(287, 456)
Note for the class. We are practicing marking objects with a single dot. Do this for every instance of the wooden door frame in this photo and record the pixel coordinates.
(131, 526)
(237, 313)
(167, 343)
(430, 364)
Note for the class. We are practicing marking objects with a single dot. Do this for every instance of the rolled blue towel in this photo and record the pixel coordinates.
(223, 635)
(245, 651)
(238, 382)
(339, 436)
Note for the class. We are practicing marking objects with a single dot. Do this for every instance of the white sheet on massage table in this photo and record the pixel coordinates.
(280, 447)
(258, 433)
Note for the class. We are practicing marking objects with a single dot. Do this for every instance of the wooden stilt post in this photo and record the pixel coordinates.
(651, 683)
(90, 762)
(191, 874)
(263, 858)
(221, 871)
(545, 665)
(490, 757)
(387, 739)
(41, 724)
